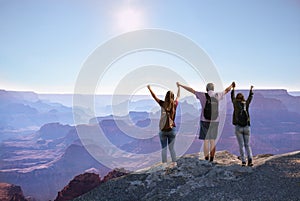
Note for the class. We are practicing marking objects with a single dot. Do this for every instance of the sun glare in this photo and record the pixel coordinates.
(129, 19)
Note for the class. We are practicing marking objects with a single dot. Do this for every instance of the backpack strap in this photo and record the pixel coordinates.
(207, 96)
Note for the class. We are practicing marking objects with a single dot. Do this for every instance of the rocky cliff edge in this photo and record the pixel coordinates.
(271, 178)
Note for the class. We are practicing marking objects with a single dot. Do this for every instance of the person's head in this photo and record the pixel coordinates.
(210, 87)
(169, 102)
(169, 96)
(240, 97)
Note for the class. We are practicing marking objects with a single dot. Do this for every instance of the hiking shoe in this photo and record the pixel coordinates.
(173, 165)
(250, 163)
(243, 163)
(211, 159)
(164, 166)
(206, 158)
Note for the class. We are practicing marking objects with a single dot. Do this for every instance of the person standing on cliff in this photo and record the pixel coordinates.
(167, 125)
(208, 123)
(241, 121)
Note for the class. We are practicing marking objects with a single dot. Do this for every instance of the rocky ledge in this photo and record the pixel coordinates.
(271, 178)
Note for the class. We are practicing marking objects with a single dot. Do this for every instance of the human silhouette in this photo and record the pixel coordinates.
(208, 124)
(241, 121)
(167, 125)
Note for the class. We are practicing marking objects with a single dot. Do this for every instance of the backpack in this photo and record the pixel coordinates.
(211, 109)
(242, 116)
(166, 122)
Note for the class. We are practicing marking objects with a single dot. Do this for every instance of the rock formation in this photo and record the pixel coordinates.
(115, 174)
(78, 186)
(10, 192)
(272, 178)
(86, 182)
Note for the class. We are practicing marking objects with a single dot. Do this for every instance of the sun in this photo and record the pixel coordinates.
(129, 19)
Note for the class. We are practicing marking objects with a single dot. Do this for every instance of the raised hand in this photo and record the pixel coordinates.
(233, 84)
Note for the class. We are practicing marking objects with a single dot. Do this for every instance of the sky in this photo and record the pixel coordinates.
(44, 44)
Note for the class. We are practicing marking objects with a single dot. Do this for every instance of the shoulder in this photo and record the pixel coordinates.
(217, 95)
(199, 94)
(161, 102)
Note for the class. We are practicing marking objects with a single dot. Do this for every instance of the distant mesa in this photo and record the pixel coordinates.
(137, 116)
(26, 110)
(143, 123)
(10, 192)
(54, 131)
(18, 95)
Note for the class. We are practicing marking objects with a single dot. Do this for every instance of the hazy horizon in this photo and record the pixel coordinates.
(145, 94)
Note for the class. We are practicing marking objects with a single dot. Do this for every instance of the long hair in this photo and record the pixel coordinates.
(169, 104)
(240, 97)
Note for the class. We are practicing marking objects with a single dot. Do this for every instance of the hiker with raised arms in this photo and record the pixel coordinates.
(167, 125)
(209, 117)
(241, 121)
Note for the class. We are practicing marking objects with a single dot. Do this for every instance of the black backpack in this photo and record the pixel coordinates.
(211, 109)
(242, 116)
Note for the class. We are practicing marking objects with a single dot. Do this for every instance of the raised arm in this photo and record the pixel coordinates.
(232, 92)
(178, 91)
(153, 94)
(250, 96)
(229, 88)
(186, 88)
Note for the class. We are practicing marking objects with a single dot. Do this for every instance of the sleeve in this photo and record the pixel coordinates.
(161, 103)
(198, 94)
(250, 96)
(176, 104)
(220, 95)
(232, 96)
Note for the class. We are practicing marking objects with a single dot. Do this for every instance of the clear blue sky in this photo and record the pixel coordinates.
(43, 44)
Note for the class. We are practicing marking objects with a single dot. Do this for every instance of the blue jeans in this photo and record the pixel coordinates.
(167, 138)
(243, 138)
